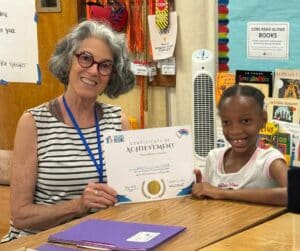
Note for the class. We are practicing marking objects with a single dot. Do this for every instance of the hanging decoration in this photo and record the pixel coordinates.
(162, 14)
(223, 35)
(128, 27)
(151, 11)
(114, 12)
(139, 24)
(140, 45)
(137, 21)
(163, 42)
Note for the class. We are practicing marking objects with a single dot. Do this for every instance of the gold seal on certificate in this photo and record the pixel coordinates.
(154, 187)
(150, 164)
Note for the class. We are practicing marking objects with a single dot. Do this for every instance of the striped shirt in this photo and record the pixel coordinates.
(64, 165)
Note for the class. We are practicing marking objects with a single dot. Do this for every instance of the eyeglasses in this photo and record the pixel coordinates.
(86, 60)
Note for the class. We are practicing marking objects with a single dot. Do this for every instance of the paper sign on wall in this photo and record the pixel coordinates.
(268, 40)
(163, 42)
(19, 46)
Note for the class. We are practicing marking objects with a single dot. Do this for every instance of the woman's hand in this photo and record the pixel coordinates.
(97, 195)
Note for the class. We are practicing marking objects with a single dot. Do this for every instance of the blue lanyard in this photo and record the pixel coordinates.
(99, 165)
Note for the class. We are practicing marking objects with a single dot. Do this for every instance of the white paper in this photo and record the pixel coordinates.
(18, 47)
(143, 237)
(150, 164)
(163, 43)
(268, 40)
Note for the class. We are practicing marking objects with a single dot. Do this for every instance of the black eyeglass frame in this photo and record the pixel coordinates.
(99, 64)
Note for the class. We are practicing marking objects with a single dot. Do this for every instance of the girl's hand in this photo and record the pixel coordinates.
(202, 189)
(198, 175)
(197, 189)
(97, 195)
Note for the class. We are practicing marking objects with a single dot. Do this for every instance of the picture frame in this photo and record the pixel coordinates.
(48, 6)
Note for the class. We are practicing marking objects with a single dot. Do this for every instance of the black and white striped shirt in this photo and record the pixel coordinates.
(64, 165)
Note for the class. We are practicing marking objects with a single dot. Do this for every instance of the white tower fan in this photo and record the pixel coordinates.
(203, 105)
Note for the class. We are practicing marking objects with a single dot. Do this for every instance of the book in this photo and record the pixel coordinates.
(267, 136)
(51, 247)
(116, 235)
(284, 145)
(294, 131)
(287, 83)
(284, 142)
(262, 80)
(224, 80)
(283, 109)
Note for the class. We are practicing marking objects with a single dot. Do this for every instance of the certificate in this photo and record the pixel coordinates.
(150, 164)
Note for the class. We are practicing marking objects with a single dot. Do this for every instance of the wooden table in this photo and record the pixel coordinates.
(281, 233)
(207, 221)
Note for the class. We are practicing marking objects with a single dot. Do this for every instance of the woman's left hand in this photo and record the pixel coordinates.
(98, 195)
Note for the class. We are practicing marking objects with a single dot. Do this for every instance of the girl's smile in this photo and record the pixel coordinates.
(241, 119)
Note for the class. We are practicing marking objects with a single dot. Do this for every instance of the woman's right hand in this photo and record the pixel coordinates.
(97, 195)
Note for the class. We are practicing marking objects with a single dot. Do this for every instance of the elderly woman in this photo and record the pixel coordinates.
(59, 171)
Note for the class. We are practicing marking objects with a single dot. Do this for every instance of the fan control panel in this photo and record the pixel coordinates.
(202, 54)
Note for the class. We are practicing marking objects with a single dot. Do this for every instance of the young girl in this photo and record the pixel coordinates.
(243, 171)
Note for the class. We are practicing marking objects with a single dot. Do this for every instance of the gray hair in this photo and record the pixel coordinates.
(122, 79)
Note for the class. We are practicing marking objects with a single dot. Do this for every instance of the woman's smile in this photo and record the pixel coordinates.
(88, 81)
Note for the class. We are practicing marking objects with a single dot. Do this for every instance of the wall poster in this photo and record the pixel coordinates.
(258, 35)
(19, 45)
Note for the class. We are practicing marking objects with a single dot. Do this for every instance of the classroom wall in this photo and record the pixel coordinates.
(172, 105)
(17, 97)
(197, 30)
(166, 105)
